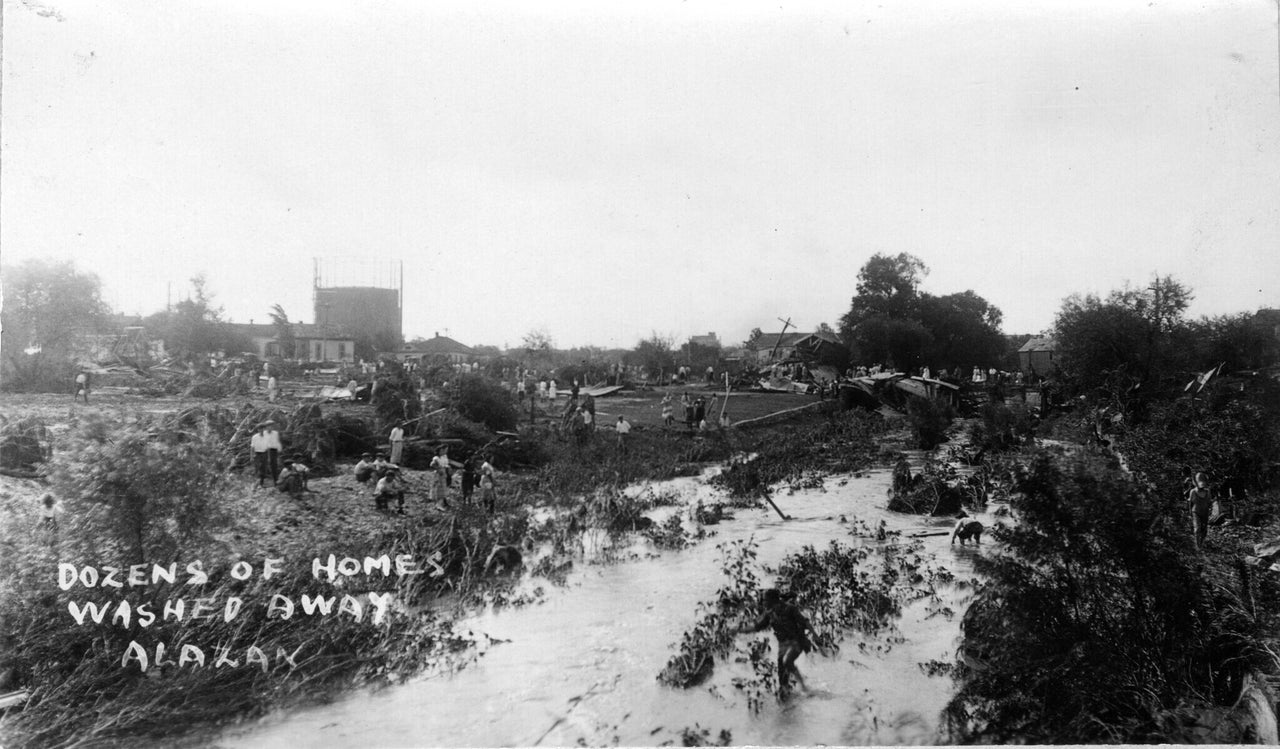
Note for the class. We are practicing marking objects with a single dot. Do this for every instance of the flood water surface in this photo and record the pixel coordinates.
(582, 665)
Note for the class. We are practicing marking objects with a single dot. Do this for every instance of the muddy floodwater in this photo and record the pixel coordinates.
(581, 666)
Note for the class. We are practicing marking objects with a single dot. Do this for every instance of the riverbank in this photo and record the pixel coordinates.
(451, 550)
(582, 665)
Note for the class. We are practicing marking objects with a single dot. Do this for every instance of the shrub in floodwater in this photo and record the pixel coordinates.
(932, 491)
(714, 631)
(836, 587)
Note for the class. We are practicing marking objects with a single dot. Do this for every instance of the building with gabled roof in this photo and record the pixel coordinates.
(1037, 355)
(311, 342)
(437, 348)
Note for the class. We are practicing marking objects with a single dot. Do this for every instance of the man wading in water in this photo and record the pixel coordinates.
(791, 629)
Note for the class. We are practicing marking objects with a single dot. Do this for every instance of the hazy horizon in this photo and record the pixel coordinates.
(605, 172)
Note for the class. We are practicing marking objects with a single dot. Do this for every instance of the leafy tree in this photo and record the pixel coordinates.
(753, 338)
(655, 354)
(50, 311)
(887, 286)
(890, 320)
(699, 356)
(896, 342)
(284, 332)
(538, 340)
(194, 327)
(1239, 341)
(965, 330)
(1119, 344)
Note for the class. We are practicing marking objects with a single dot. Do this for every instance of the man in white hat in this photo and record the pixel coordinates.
(266, 450)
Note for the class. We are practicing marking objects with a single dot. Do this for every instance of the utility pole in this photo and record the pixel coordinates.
(778, 342)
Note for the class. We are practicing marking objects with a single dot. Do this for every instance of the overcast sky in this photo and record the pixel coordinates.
(605, 171)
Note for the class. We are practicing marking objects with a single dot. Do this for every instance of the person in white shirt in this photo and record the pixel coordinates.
(389, 487)
(440, 485)
(273, 389)
(488, 485)
(266, 450)
(397, 443)
(364, 469)
(623, 428)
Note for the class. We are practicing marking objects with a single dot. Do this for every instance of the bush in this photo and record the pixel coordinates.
(1231, 435)
(1093, 621)
(479, 399)
(929, 419)
(1003, 426)
(138, 491)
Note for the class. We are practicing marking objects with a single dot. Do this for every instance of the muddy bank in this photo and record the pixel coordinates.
(338, 516)
(582, 664)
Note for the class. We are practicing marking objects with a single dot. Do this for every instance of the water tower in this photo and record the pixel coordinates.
(362, 298)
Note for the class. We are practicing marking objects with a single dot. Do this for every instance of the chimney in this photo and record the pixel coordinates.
(437, 334)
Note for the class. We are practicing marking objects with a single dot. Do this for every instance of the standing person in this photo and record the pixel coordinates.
(791, 628)
(82, 385)
(588, 422)
(273, 388)
(623, 428)
(488, 485)
(49, 519)
(712, 416)
(397, 443)
(589, 404)
(711, 373)
(440, 485)
(667, 418)
(573, 391)
(688, 409)
(1199, 502)
(520, 388)
(353, 386)
(699, 413)
(265, 444)
(551, 390)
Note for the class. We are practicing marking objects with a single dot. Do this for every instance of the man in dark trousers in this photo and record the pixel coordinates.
(791, 628)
